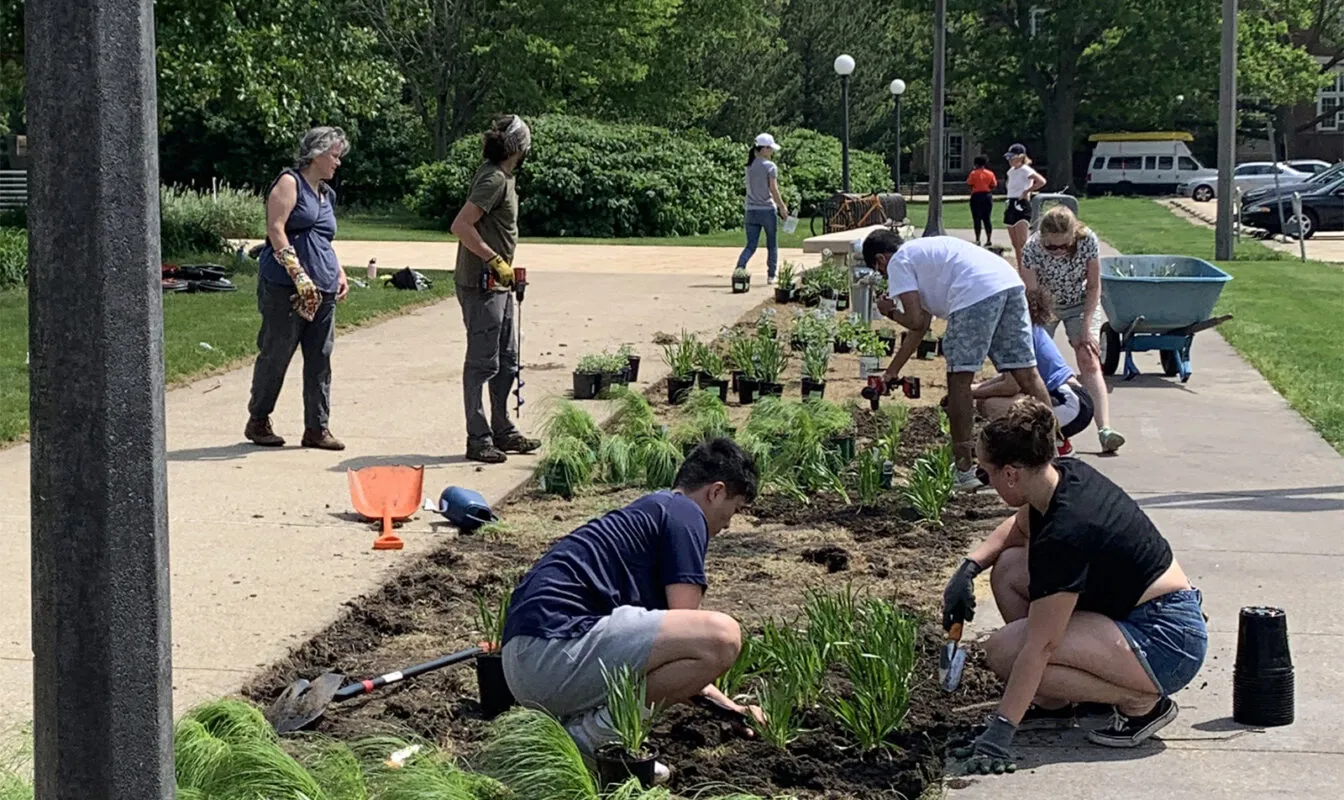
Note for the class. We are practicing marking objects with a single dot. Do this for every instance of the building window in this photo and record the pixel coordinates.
(1329, 104)
(956, 148)
(1036, 20)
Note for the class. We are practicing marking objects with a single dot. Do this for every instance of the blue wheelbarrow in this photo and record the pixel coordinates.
(1157, 303)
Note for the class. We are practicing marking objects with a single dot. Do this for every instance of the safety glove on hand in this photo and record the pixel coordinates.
(988, 754)
(501, 270)
(306, 298)
(959, 595)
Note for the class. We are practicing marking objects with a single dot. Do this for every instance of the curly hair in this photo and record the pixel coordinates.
(1025, 436)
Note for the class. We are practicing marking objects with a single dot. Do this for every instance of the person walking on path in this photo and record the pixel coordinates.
(982, 181)
(1065, 257)
(487, 231)
(299, 283)
(1098, 610)
(1023, 181)
(1071, 401)
(625, 589)
(983, 300)
(765, 208)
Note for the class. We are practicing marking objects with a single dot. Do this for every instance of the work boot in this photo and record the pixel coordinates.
(516, 443)
(486, 454)
(259, 432)
(321, 439)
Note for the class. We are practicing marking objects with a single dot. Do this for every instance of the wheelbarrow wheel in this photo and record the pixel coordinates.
(1170, 367)
(1110, 349)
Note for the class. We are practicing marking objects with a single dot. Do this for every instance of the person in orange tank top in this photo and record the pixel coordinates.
(982, 182)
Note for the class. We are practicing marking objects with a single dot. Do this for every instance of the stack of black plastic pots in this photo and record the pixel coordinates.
(1262, 680)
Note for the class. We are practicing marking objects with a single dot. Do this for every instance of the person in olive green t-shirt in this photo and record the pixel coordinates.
(487, 232)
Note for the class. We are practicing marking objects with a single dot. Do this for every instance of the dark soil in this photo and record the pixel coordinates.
(760, 568)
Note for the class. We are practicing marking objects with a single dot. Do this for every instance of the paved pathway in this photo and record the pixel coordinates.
(1252, 501)
(263, 550)
(1324, 246)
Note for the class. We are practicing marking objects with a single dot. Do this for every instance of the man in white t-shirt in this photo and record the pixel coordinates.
(985, 304)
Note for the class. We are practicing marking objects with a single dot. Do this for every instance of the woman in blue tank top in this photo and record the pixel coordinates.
(299, 283)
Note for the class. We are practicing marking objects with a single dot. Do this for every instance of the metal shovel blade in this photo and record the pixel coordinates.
(303, 702)
(950, 677)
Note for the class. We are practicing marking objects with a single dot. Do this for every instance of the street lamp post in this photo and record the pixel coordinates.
(844, 67)
(934, 225)
(897, 89)
(1227, 132)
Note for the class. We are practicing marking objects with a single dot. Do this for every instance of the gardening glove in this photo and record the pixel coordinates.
(989, 752)
(501, 270)
(306, 298)
(959, 594)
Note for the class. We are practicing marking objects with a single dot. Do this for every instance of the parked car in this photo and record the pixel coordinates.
(1330, 175)
(1142, 163)
(1322, 210)
(1311, 166)
(1246, 177)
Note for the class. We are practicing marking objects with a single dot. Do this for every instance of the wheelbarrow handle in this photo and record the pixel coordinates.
(369, 685)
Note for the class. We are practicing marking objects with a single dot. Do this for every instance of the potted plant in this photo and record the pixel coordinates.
(888, 337)
(840, 283)
(741, 280)
(567, 465)
(929, 346)
(711, 373)
(588, 377)
(680, 359)
(632, 361)
(632, 719)
(615, 370)
(771, 359)
(871, 347)
(765, 324)
(784, 283)
(496, 697)
(742, 351)
(847, 334)
(815, 361)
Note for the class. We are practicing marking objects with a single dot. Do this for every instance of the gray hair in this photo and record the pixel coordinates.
(318, 141)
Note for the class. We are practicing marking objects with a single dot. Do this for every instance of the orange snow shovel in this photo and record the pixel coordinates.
(387, 493)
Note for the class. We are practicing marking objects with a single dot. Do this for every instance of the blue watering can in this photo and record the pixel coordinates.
(465, 509)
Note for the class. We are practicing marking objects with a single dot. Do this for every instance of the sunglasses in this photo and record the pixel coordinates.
(982, 475)
(1056, 248)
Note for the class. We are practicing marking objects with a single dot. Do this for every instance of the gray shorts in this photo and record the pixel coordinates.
(564, 676)
(997, 327)
(1072, 317)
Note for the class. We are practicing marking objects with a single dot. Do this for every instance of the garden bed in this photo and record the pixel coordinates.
(760, 570)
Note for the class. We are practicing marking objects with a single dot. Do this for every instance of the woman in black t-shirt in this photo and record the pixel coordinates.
(1098, 610)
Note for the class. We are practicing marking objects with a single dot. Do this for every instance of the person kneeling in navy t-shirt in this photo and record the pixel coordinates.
(625, 588)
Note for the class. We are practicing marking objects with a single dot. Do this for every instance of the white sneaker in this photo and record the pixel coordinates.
(770, 280)
(591, 730)
(968, 480)
(661, 774)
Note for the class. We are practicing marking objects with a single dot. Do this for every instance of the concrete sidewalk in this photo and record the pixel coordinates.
(264, 548)
(1252, 501)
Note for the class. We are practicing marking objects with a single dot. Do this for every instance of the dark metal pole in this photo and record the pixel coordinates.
(934, 225)
(1227, 133)
(898, 144)
(844, 147)
(102, 677)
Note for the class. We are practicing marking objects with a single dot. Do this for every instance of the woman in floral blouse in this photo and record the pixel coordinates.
(1064, 256)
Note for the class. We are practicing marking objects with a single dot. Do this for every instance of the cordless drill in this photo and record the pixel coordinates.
(879, 385)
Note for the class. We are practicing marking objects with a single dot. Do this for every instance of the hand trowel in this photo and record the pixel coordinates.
(952, 660)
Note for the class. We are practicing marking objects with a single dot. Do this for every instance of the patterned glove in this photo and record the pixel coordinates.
(989, 752)
(307, 298)
(502, 271)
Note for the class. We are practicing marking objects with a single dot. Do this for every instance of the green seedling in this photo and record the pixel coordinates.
(880, 666)
(771, 359)
(816, 360)
(777, 698)
(734, 681)
(568, 420)
(490, 618)
(627, 704)
(830, 619)
(789, 653)
(616, 460)
(661, 459)
(870, 476)
(931, 483)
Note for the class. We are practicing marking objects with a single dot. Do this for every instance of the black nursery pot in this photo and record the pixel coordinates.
(797, 343)
(889, 340)
(812, 300)
(828, 293)
(813, 389)
(841, 347)
(770, 389)
(718, 386)
(496, 697)
(678, 389)
(633, 368)
(746, 390)
(587, 385)
(615, 767)
(842, 301)
(621, 378)
(888, 474)
(783, 294)
(735, 376)
(1262, 678)
(845, 446)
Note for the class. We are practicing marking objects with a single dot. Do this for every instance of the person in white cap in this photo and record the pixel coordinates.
(765, 208)
(1023, 181)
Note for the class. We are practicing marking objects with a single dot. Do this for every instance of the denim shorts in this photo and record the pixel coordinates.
(998, 327)
(1169, 637)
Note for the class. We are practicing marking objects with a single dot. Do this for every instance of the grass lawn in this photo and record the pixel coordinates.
(226, 322)
(1286, 318)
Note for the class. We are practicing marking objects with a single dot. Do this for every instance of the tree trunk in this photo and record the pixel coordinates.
(441, 132)
(1061, 106)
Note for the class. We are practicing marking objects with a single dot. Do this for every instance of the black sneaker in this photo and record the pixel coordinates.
(486, 454)
(1038, 719)
(1132, 731)
(517, 443)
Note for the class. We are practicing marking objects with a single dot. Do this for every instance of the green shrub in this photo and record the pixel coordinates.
(587, 178)
(13, 257)
(202, 222)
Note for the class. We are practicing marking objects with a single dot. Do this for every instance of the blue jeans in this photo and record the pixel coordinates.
(761, 220)
(1169, 637)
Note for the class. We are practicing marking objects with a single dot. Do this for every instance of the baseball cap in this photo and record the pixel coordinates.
(1016, 150)
(766, 140)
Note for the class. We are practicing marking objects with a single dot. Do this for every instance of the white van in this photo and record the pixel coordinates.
(1148, 163)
